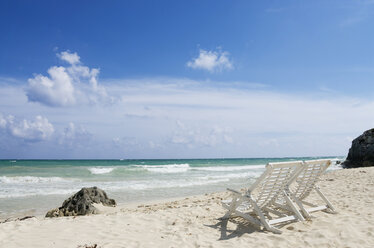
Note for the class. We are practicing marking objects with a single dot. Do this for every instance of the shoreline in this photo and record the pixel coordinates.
(105, 210)
(25, 190)
(128, 205)
(194, 221)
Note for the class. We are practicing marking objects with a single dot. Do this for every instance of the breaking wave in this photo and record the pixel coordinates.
(101, 170)
(167, 168)
(30, 180)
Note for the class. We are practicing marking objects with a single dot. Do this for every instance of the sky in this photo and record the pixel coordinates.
(184, 79)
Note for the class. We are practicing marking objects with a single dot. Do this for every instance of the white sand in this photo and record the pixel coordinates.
(193, 222)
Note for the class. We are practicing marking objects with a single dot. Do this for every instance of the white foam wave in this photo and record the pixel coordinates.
(14, 191)
(232, 176)
(167, 168)
(30, 180)
(37, 192)
(162, 184)
(101, 170)
(230, 168)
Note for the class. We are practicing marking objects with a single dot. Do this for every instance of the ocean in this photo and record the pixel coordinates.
(32, 187)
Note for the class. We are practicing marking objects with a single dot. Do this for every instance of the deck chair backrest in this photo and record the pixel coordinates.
(309, 176)
(274, 180)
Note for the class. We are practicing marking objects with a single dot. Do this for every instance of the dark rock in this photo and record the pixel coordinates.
(82, 203)
(361, 153)
(54, 213)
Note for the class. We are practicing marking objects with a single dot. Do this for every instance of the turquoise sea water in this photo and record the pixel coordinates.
(35, 186)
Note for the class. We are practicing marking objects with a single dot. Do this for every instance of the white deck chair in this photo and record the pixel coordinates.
(306, 181)
(258, 201)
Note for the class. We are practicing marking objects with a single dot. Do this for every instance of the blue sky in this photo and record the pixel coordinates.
(184, 79)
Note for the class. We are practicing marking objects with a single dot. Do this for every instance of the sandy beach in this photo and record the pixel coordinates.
(173, 124)
(193, 222)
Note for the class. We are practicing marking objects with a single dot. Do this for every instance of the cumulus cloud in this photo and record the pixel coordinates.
(211, 61)
(66, 86)
(35, 130)
(71, 58)
(55, 90)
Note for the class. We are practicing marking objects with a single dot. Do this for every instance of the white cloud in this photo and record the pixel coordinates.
(163, 118)
(35, 130)
(67, 86)
(211, 61)
(56, 90)
(71, 58)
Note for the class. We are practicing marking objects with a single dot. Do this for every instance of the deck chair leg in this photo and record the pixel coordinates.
(249, 218)
(301, 206)
(262, 218)
(292, 205)
(233, 206)
(329, 204)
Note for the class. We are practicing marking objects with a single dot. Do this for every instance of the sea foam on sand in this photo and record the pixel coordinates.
(193, 222)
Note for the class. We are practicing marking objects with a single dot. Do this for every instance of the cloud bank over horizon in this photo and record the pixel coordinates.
(70, 115)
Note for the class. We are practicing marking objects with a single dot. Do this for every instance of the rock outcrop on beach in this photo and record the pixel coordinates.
(361, 153)
(82, 202)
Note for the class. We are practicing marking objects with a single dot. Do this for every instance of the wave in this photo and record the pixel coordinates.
(14, 191)
(101, 170)
(230, 168)
(38, 192)
(232, 176)
(180, 168)
(167, 168)
(30, 180)
(163, 184)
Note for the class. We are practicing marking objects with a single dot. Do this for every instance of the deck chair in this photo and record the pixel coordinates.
(257, 204)
(306, 182)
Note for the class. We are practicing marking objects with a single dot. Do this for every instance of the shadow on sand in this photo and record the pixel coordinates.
(242, 227)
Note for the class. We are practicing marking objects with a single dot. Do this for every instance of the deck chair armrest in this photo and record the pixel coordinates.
(234, 191)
